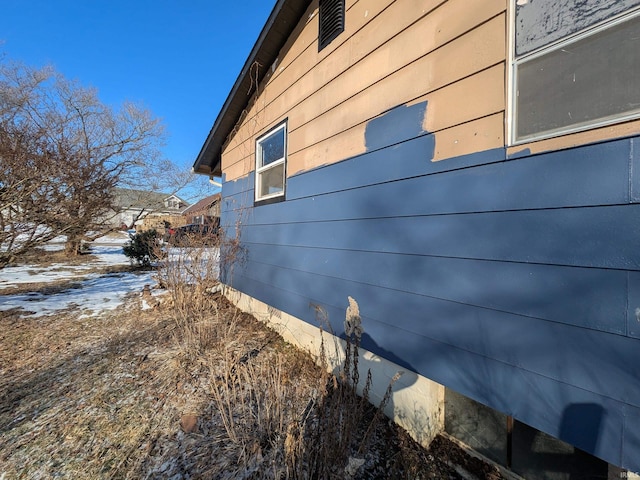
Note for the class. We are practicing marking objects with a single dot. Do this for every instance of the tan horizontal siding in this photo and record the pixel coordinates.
(303, 70)
(314, 69)
(415, 42)
(580, 138)
(476, 96)
(377, 47)
(476, 136)
(238, 169)
(475, 51)
(448, 53)
(343, 145)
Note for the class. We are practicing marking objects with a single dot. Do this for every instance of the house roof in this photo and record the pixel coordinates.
(280, 24)
(202, 205)
(130, 198)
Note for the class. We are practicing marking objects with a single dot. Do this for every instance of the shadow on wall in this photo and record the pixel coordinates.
(581, 425)
(531, 453)
(417, 412)
(537, 455)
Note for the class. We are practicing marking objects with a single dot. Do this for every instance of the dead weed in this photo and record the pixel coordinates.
(122, 396)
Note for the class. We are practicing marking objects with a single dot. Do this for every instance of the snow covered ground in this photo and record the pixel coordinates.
(92, 294)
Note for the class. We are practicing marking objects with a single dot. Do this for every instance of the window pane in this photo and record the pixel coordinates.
(272, 148)
(271, 181)
(580, 83)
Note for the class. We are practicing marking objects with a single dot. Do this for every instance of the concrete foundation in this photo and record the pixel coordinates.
(416, 404)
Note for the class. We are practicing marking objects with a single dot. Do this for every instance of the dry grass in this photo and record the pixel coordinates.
(192, 389)
(43, 258)
(79, 397)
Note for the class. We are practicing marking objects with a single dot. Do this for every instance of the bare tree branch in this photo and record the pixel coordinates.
(62, 154)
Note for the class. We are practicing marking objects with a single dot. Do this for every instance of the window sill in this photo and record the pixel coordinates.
(610, 132)
(269, 201)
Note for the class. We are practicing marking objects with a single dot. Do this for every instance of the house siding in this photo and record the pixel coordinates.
(390, 54)
(510, 276)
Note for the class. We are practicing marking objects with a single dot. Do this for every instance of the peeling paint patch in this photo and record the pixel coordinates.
(544, 21)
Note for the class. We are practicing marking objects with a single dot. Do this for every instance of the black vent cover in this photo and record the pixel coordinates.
(331, 21)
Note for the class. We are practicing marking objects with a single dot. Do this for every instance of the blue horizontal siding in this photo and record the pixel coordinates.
(533, 398)
(590, 176)
(505, 286)
(633, 313)
(514, 281)
(583, 172)
(547, 348)
(237, 187)
(631, 436)
(602, 237)
(634, 166)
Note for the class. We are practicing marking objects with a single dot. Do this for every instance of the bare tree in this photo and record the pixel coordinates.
(23, 160)
(62, 153)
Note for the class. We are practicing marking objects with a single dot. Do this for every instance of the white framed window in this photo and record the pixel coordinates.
(575, 66)
(271, 159)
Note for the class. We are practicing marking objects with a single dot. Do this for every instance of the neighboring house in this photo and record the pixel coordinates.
(139, 208)
(205, 211)
(469, 172)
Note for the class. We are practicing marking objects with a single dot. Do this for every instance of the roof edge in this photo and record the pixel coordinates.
(285, 15)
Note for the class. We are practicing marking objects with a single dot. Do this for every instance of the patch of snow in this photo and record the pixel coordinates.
(191, 264)
(53, 247)
(109, 255)
(17, 275)
(96, 293)
(114, 238)
(11, 276)
(93, 295)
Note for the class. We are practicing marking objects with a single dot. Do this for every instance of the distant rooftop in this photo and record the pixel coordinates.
(203, 204)
(130, 198)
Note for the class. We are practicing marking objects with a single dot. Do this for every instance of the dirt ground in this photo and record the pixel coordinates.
(123, 395)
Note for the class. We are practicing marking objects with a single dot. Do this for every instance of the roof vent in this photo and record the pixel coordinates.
(331, 21)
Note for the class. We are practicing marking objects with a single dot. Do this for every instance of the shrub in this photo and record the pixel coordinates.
(142, 248)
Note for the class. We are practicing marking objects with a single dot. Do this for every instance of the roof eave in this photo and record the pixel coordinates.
(284, 17)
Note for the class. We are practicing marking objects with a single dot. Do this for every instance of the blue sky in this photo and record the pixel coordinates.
(179, 58)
